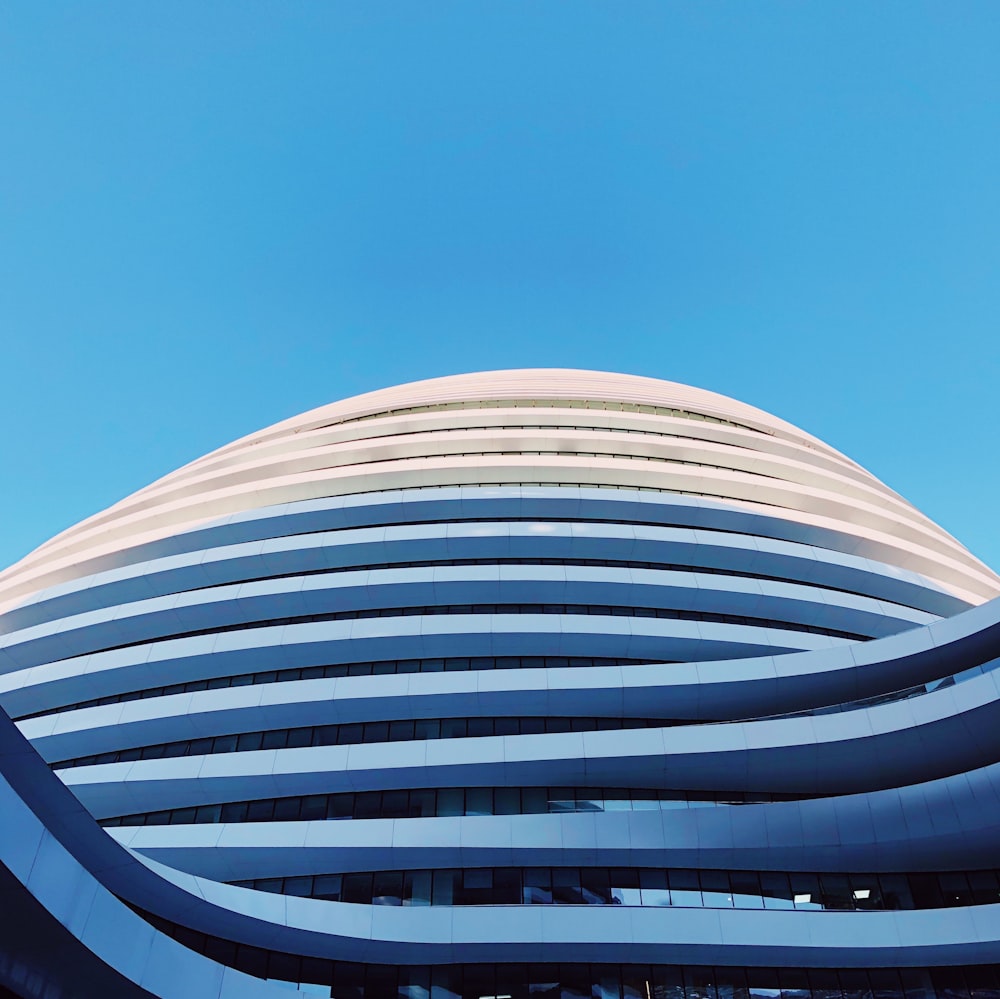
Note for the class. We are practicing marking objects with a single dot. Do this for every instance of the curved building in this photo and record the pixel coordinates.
(523, 683)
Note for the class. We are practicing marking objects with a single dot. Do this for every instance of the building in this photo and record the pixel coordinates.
(547, 683)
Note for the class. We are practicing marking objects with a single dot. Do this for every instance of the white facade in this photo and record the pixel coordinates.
(514, 623)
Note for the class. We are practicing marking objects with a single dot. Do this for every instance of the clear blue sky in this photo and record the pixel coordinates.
(214, 216)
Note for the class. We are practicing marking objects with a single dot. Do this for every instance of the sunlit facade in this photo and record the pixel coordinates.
(537, 682)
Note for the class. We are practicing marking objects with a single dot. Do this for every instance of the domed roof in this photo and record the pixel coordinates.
(541, 384)
(530, 428)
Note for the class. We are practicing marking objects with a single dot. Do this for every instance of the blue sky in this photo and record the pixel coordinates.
(214, 216)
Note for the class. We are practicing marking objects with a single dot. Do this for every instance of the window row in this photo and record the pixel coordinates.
(435, 610)
(403, 730)
(580, 980)
(600, 405)
(568, 451)
(378, 667)
(643, 887)
(918, 690)
(450, 801)
(559, 427)
(607, 563)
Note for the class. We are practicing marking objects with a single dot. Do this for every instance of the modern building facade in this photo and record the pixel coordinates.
(545, 682)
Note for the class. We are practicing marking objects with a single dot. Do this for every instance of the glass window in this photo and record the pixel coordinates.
(356, 888)
(805, 891)
(824, 984)
(417, 888)
(653, 887)
(699, 983)
(625, 886)
(730, 983)
(506, 801)
(284, 967)
(668, 983)
(574, 981)
(955, 889)
(836, 892)
(507, 886)
(451, 801)
(543, 980)
(715, 889)
(896, 891)
(346, 735)
(636, 982)
(444, 887)
(480, 726)
(776, 891)
(617, 801)
(534, 800)
(983, 885)
(395, 804)
(982, 981)
(299, 738)
(327, 886)
(537, 886)
(302, 887)
(274, 740)
(866, 892)
(340, 806)
(916, 983)
(746, 890)
(325, 735)
(387, 888)
(313, 807)
(479, 801)
(426, 728)
(248, 741)
(477, 887)
(926, 891)
(949, 983)
(885, 984)
(287, 809)
(260, 811)
(479, 980)
(380, 981)
(252, 960)
(566, 886)
(422, 803)
(368, 805)
(595, 886)
(400, 731)
(376, 731)
(762, 983)
(606, 982)
(684, 888)
(794, 983)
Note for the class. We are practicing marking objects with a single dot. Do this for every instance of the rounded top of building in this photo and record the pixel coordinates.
(539, 387)
(525, 429)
